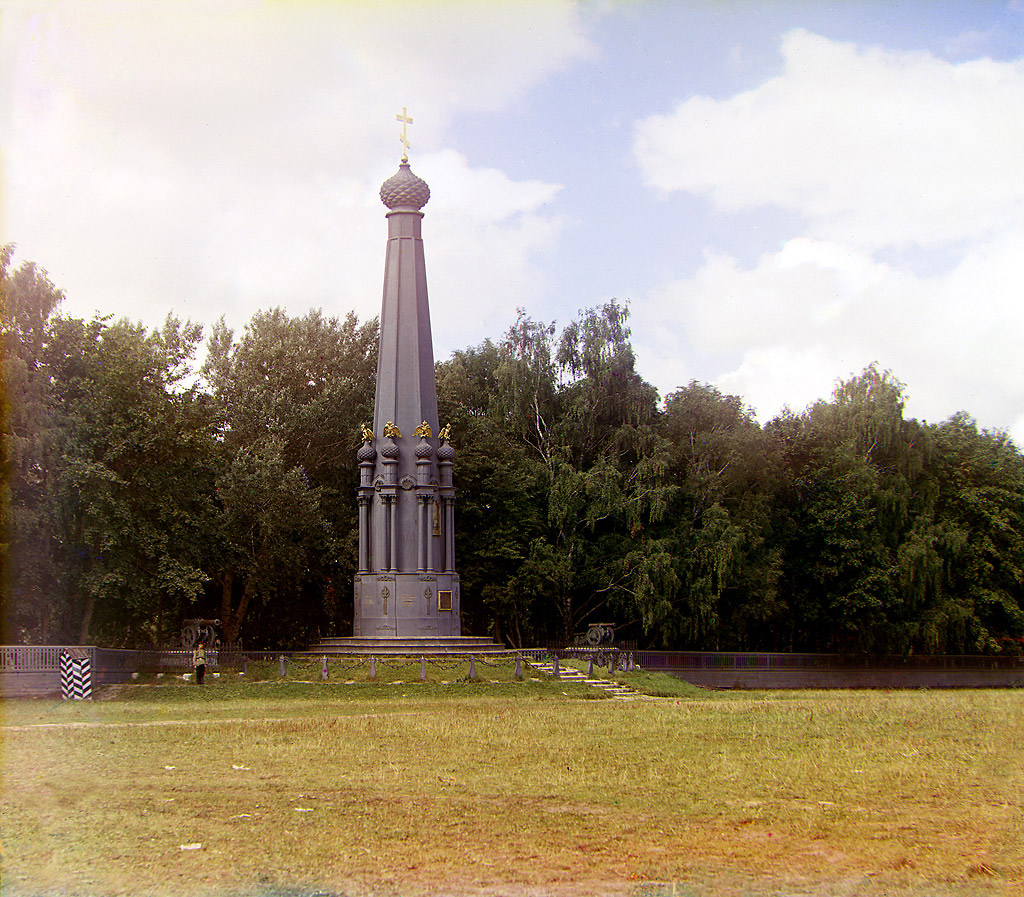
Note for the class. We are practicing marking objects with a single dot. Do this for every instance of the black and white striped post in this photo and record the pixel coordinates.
(75, 675)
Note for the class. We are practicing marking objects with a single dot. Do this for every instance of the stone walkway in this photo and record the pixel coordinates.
(616, 690)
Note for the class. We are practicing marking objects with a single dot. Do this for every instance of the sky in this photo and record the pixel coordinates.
(784, 193)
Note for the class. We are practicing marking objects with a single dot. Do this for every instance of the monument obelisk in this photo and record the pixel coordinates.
(406, 586)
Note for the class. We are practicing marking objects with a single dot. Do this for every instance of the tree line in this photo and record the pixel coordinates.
(142, 488)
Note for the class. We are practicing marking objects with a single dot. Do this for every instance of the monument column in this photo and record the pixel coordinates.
(406, 585)
(446, 509)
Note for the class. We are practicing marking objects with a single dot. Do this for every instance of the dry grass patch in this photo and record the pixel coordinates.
(828, 793)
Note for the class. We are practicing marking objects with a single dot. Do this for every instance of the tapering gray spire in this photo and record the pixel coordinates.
(406, 586)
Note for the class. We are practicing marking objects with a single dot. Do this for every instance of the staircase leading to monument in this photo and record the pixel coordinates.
(616, 690)
(457, 645)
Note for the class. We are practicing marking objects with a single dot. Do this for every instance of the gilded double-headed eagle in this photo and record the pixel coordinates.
(423, 430)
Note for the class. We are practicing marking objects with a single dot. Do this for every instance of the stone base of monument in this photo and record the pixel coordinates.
(393, 605)
(459, 645)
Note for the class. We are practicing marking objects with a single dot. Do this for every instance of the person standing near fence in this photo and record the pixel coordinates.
(199, 662)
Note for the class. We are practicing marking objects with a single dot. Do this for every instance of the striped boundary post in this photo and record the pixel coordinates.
(75, 675)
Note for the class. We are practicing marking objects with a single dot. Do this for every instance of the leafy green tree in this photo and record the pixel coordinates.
(837, 566)
(134, 478)
(104, 446)
(271, 526)
(290, 395)
(848, 464)
(977, 536)
(901, 536)
(588, 422)
(133, 496)
(559, 473)
(721, 521)
(500, 496)
(29, 452)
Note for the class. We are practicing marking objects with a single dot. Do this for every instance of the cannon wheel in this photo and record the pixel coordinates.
(189, 636)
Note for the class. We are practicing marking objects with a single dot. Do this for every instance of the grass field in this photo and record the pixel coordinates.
(400, 787)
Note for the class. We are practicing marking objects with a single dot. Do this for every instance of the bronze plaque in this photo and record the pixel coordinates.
(444, 600)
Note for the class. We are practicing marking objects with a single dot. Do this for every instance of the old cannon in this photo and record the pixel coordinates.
(598, 639)
(597, 634)
(196, 630)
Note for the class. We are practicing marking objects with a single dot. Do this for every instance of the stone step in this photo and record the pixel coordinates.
(616, 690)
(451, 645)
(411, 640)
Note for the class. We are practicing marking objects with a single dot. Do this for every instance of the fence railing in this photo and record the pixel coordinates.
(171, 660)
(34, 658)
(46, 658)
(621, 644)
(742, 660)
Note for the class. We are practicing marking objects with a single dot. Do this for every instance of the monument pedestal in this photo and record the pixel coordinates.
(455, 646)
(406, 605)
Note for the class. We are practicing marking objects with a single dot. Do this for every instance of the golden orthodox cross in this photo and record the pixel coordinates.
(405, 120)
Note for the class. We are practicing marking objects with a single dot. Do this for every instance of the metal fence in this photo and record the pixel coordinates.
(776, 670)
(35, 669)
(743, 660)
(39, 658)
(31, 658)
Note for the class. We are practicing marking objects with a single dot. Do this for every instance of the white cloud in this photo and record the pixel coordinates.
(873, 147)
(220, 159)
(783, 331)
(484, 235)
(879, 152)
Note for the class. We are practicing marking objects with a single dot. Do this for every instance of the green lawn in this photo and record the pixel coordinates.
(498, 786)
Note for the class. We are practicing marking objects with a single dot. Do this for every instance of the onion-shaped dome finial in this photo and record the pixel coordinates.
(405, 190)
